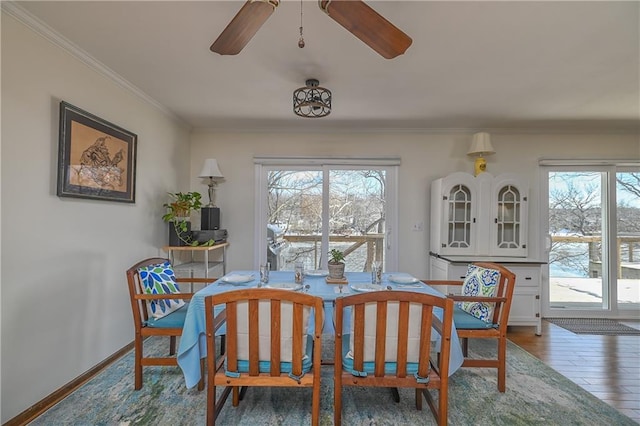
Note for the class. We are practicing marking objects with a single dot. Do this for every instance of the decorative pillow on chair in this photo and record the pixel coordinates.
(480, 282)
(160, 279)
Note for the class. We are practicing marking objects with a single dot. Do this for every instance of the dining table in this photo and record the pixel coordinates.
(193, 347)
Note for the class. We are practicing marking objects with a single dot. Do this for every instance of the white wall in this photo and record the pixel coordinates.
(65, 303)
(424, 156)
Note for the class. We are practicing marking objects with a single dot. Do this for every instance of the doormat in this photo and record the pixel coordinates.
(600, 326)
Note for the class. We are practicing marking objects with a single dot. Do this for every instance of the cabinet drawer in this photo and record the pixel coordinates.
(526, 276)
(457, 272)
(443, 270)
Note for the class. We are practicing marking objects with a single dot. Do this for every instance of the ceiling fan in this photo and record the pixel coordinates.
(354, 15)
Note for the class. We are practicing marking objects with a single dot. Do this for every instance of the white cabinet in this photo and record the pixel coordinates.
(525, 305)
(482, 215)
(484, 219)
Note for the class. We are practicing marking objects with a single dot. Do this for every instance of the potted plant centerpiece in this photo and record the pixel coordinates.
(179, 216)
(336, 264)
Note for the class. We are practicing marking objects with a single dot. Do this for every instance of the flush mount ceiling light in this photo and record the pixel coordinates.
(312, 101)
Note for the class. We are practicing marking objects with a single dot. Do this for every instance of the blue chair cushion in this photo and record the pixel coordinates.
(369, 367)
(479, 282)
(173, 320)
(464, 320)
(160, 279)
(285, 367)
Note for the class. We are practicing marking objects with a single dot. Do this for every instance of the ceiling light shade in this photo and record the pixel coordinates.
(480, 146)
(312, 101)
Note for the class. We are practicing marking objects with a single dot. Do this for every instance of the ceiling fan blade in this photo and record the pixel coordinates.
(368, 25)
(244, 26)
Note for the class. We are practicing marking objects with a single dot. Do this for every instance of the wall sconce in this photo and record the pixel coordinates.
(212, 171)
(480, 146)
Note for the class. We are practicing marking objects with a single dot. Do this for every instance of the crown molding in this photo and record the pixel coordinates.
(40, 27)
(360, 129)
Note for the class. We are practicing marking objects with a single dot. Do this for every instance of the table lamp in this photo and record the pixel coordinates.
(210, 214)
(212, 171)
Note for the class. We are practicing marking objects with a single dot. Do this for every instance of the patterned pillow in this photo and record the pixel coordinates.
(160, 279)
(480, 282)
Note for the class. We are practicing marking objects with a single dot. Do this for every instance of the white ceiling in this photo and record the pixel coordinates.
(526, 66)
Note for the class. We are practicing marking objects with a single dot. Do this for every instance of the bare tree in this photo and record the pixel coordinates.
(628, 203)
(629, 182)
(573, 210)
(356, 205)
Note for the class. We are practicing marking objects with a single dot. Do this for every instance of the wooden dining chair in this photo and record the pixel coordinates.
(482, 312)
(267, 344)
(389, 345)
(159, 309)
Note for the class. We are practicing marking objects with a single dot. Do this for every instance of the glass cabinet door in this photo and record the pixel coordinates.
(509, 221)
(459, 217)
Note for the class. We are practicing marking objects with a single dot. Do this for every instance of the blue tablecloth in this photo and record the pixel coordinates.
(193, 345)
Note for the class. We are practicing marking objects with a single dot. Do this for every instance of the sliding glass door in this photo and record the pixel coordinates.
(357, 215)
(627, 236)
(307, 209)
(594, 227)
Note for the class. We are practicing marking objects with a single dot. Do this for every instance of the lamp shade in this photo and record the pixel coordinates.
(481, 145)
(210, 169)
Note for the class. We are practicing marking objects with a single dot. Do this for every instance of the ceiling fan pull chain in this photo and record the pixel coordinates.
(301, 41)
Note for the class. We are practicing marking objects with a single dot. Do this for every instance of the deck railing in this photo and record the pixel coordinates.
(374, 244)
(631, 243)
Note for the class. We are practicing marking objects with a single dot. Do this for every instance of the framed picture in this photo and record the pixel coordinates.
(96, 159)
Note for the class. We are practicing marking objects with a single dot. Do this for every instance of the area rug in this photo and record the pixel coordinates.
(536, 395)
(599, 326)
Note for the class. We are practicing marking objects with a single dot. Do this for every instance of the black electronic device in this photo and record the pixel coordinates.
(203, 236)
(210, 218)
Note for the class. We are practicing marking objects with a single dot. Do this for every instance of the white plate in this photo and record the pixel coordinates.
(284, 286)
(237, 279)
(367, 287)
(403, 280)
(317, 273)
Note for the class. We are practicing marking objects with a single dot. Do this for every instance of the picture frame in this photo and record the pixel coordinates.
(96, 158)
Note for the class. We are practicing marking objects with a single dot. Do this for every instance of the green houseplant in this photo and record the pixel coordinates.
(178, 216)
(336, 264)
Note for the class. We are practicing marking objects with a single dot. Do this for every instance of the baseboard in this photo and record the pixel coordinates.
(40, 407)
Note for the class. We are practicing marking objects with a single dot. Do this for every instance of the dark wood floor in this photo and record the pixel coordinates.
(606, 366)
